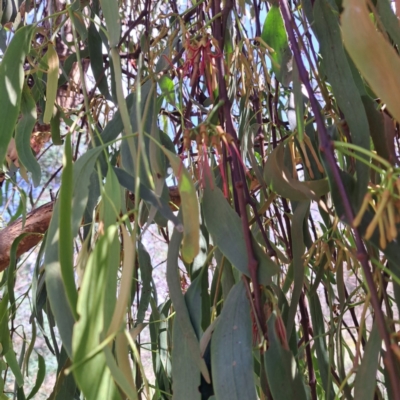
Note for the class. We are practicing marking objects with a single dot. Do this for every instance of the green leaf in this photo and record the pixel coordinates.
(231, 349)
(11, 84)
(127, 181)
(185, 372)
(327, 30)
(274, 34)
(189, 207)
(318, 324)
(113, 21)
(377, 60)
(226, 230)
(95, 45)
(23, 133)
(52, 82)
(111, 199)
(389, 20)
(299, 215)
(4, 332)
(13, 364)
(39, 377)
(178, 301)
(146, 270)
(365, 382)
(92, 374)
(125, 382)
(66, 245)
(283, 375)
(167, 88)
(280, 179)
(55, 124)
(55, 287)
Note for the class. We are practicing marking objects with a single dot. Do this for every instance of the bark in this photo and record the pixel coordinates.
(36, 223)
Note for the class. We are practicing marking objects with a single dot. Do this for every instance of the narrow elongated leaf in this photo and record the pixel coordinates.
(66, 248)
(283, 375)
(389, 20)
(23, 133)
(189, 206)
(96, 60)
(121, 375)
(92, 374)
(126, 282)
(185, 372)
(327, 30)
(39, 377)
(231, 349)
(281, 181)
(226, 230)
(318, 324)
(178, 301)
(55, 287)
(274, 34)
(52, 82)
(13, 364)
(11, 83)
(365, 383)
(111, 199)
(374, 56)
(146, 270)
(113, 20)
(127, 181)
(167, 88)
(298, 251)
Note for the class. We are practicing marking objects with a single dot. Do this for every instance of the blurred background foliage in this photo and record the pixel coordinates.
(199, 200)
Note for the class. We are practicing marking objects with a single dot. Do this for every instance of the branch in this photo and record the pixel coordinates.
(37, 223)
(327, 150)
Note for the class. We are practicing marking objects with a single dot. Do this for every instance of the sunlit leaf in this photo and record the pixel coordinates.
(92, 374)
(11, 83)
(373, 55)
(52, 82)
(274, 34)
(189, 206)
(167, 87)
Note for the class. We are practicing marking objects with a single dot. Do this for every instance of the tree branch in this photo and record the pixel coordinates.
(37, 223)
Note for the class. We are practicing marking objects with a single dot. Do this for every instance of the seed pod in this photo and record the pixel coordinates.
(361, 211)
(392, 220)
(382, 234)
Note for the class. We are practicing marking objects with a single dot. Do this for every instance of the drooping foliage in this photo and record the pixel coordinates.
(256, 143)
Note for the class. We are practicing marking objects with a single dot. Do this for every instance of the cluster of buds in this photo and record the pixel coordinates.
(200, 61)
(206, 135)
(387, 213)
(296, 157)
(321, 248)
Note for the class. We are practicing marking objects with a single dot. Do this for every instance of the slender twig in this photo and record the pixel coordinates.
(305, 323)
(327, 150)
(252, 261)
